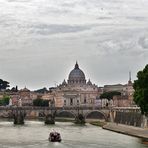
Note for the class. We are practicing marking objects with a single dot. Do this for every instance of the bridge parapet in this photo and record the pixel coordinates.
(49, 108)
(126, 109)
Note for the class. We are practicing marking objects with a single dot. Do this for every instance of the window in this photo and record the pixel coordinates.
(71, 101)
(85, 100)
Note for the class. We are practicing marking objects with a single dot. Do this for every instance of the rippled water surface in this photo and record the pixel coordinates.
(34, 134)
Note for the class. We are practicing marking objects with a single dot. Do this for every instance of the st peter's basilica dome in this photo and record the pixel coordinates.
(76, 76)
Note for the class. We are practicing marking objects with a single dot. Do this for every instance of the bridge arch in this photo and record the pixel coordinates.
(65, 113)
(96, 114)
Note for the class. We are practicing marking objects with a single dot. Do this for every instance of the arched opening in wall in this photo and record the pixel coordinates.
(65, 116)
(96, 115)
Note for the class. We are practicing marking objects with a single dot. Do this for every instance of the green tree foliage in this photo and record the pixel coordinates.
(3, 84)
(141, 90)
(37, 102)
(109, 95)
(5, 100)
(1, 103)
(45, 102)
(40, 102)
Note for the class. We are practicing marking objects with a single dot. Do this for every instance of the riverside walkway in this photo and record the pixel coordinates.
(128, 130)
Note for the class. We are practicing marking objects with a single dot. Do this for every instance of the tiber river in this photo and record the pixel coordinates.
(34, 134)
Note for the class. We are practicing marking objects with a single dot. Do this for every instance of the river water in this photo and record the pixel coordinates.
(34, 134)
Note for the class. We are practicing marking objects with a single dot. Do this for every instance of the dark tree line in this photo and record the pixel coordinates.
(109, 95)
(41, 102)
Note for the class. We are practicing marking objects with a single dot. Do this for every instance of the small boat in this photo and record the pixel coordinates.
(54, 137)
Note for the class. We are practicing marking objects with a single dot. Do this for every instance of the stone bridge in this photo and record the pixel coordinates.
(78, 113)
(124, 115)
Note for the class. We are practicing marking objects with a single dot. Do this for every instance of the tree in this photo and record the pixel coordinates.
(5, 100)
(3, 84)
(141, 90)
(1, 103)
(45, 103)
(40, 102)
(109, 95)
(37, 102)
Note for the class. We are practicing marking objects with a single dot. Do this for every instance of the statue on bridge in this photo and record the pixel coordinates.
(20, 102)
(10, 102)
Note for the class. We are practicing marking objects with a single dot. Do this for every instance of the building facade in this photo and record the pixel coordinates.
(127, 92)
(23, 96)
(76, 91)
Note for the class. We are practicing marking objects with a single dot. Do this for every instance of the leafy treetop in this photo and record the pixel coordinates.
(109, 95)
(4, 84)
(141, 90)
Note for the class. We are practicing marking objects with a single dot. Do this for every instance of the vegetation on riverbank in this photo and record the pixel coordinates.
(98, 123)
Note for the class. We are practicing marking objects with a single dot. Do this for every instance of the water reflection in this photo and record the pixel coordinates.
(144, 141)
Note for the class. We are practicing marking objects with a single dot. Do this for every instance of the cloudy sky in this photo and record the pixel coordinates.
(40, 40)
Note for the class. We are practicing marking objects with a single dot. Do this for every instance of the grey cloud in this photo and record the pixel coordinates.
(44, 29)
(115, 46)
(55, 10)
(104, 18)
(69, 5)
(40, 28)
(137, 18)
(20, 1)
(143, 42)
(7, 21)
(107, 37)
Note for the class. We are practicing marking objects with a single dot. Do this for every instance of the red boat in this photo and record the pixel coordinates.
(54, 137)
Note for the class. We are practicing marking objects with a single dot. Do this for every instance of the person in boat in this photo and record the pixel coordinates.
(54, 137)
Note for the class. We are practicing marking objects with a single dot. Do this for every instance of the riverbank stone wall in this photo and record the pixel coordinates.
(129, 118)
